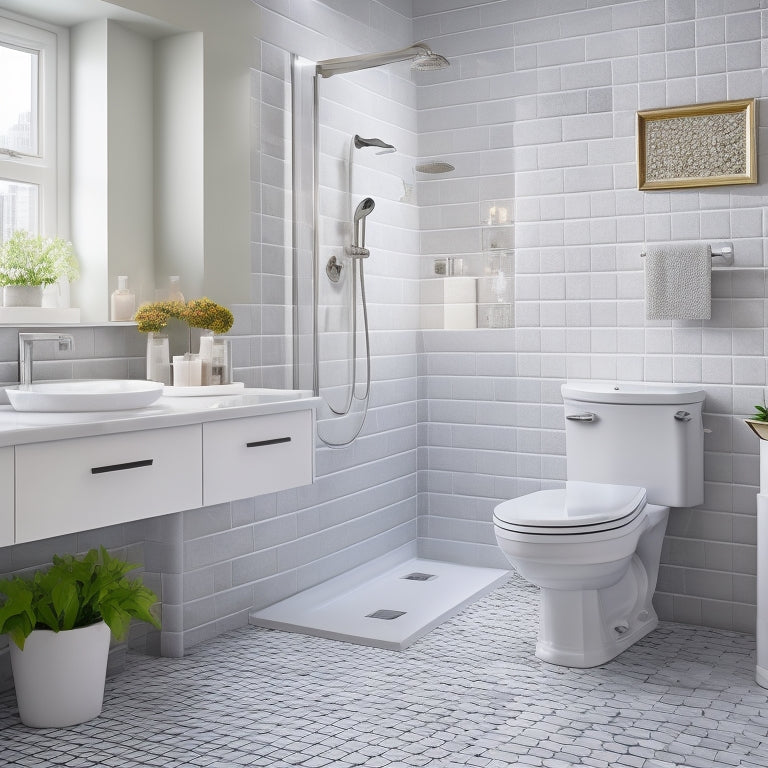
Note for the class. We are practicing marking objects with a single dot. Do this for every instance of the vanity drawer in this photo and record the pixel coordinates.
(255, 455)
(6, 496)
(75, 485)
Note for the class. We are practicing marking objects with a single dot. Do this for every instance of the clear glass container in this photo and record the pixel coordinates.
(158, 358)
(221, 362)
(206, 357)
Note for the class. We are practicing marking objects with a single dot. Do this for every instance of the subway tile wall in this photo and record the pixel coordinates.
(548, 92)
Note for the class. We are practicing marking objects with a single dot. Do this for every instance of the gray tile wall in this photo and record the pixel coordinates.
(548, 92)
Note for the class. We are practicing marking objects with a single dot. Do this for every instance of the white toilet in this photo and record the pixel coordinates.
(593, 548)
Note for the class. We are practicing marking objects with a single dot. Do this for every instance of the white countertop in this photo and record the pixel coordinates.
(18, 428)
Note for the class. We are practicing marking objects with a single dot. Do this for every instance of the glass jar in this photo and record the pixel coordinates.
(158, 358)
(221, 362)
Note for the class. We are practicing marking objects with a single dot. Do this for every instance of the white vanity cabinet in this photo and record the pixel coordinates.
(261, 454)
(74, 485)
(76, 475)
(6, 497)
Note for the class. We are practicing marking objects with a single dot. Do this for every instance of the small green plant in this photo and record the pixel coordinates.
(761, 413)
(27, 259)
(75, 592)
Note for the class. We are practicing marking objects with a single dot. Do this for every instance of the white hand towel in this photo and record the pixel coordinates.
(678, 281)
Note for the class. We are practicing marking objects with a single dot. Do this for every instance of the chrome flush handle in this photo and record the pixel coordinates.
(581, 417)
(683, 416)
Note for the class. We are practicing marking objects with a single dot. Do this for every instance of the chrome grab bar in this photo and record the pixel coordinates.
(581, 417)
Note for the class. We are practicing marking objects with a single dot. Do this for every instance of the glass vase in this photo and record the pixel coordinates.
(158, 358)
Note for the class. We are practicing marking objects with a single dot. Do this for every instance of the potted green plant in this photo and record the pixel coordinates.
(758, 422)
(30, 262)
(59, 621)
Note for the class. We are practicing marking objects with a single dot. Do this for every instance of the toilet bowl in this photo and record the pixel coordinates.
(593, 550)
(594, 547)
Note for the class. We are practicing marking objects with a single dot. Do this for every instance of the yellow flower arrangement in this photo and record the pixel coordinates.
(204, 313)
(197, 313)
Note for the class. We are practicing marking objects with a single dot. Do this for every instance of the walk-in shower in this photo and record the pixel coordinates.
(340, 267)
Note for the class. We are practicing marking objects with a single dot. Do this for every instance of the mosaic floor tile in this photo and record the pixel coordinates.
(469, 694)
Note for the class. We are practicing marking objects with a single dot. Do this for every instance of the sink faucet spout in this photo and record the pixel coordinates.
(26, 340)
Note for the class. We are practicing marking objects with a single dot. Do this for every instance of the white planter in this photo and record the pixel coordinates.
(59, 676)
(23, 295)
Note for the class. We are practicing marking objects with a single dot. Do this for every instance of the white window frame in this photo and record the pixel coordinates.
(49, 170)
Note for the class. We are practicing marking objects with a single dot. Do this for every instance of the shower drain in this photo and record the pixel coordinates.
(419, 576)
(385, 613)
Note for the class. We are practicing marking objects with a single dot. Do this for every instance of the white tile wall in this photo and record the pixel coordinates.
(581, 224)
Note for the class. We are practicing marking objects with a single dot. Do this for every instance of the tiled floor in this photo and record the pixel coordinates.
(471, 693)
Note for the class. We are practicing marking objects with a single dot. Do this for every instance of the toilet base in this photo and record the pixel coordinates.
(586, 628)
(595, 656)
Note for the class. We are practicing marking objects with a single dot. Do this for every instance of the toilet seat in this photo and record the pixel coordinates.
(581, 508)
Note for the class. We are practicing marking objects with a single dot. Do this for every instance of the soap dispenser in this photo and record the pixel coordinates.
(123, 301)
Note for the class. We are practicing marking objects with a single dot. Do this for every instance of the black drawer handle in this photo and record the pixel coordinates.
(118, 467)
(273, 441)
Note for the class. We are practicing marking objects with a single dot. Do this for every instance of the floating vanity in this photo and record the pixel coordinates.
(67, 472)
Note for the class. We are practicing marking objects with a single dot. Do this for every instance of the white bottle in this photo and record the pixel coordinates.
(123, 301)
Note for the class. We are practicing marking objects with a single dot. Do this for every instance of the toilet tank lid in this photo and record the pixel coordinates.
(633, 393)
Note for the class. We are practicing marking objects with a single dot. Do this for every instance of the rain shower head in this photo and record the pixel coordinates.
(423, 59)
(360, 143)
(364, 208)
(435, 166)
(429, 61)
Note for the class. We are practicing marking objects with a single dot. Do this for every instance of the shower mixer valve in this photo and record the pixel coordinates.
(333, 270)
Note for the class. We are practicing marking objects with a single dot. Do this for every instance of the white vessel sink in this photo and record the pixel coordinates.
(84, 395)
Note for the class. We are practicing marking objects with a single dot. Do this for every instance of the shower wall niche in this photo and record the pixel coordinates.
(475, 290)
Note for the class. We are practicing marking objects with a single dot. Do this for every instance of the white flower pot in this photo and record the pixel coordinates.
(23, 295)
(59, 676)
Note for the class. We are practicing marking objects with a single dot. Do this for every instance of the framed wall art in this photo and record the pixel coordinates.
(700, 145)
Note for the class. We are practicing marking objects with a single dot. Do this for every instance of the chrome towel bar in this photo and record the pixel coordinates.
(723, 252)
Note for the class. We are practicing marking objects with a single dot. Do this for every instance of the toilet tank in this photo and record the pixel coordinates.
(649, 435)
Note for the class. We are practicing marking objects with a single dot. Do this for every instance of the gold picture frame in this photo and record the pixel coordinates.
(700, 145)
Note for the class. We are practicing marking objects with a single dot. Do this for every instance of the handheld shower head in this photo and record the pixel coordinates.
(360, 143)
(366, 205)
(364, 208)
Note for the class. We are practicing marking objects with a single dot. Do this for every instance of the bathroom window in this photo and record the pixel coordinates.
(32, 134)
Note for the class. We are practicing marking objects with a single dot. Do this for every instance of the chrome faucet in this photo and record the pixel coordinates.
(26, 340)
